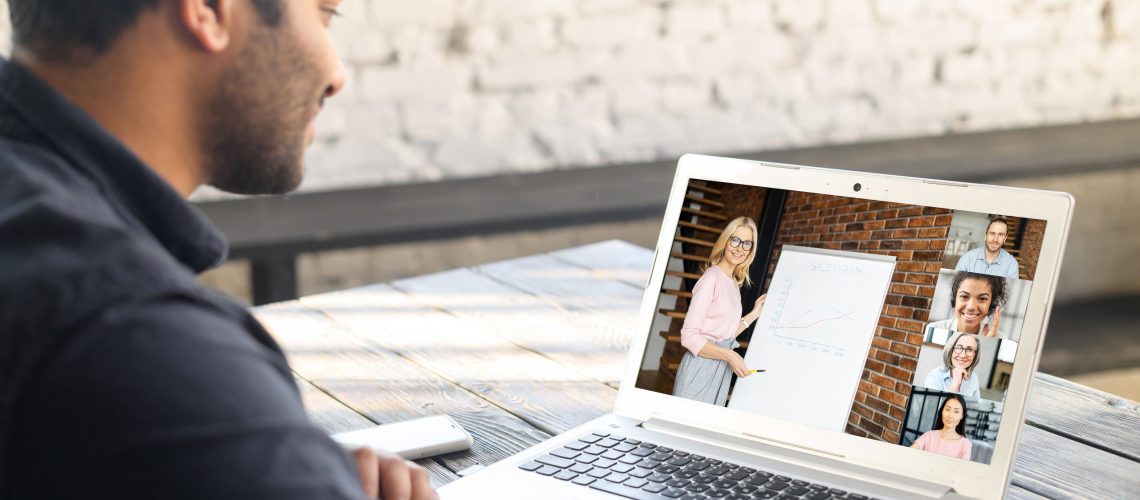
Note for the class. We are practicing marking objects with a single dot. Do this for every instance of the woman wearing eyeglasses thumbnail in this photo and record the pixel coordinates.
(976, 303)
(956, 374)
(714, 320)
(948, 435)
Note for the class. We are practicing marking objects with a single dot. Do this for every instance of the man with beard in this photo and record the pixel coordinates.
(990, 258)
(121, 376)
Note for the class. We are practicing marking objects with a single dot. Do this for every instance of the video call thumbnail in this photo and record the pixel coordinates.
(893, 322)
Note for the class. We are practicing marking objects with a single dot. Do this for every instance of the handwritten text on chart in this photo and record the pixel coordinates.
(836, 268)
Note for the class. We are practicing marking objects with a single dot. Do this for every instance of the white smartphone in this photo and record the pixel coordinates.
(411, 439)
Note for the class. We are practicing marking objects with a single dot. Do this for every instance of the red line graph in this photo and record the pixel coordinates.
(792, 326)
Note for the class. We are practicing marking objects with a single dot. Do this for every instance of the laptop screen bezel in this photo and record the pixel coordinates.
(965, 477)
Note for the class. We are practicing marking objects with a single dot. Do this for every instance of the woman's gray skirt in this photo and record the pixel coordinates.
(704, 379)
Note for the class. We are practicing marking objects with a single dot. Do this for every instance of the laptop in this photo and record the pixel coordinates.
(890, 357)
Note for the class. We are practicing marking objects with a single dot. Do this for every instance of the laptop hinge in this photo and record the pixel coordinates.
(794, 455)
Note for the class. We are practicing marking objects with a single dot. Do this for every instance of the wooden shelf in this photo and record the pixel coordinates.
(705, 201)
(686, 256)
(704, 213)
(704, 189)
(679, 274)
(672, 314)
(678, 293)
(700, 227)
(695, 241)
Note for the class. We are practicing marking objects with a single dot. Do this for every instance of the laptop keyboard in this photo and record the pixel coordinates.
(637, 469)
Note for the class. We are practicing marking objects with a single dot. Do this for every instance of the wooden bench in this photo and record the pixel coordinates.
(272, 231)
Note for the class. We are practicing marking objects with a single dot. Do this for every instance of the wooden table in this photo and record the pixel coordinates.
(521, 350)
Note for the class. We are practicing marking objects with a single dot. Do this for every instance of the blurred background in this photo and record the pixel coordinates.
(448, 97)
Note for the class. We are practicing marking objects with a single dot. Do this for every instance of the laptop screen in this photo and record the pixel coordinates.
(893, 322)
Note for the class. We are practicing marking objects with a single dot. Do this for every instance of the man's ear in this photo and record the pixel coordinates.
(208, 22)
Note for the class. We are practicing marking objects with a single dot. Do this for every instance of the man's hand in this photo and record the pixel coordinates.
(389, 476)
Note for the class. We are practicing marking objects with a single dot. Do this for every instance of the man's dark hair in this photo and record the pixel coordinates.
(56, 29)
(997, 288)
(997, 218)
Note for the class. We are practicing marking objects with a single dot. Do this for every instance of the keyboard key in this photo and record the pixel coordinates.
(639, 472)
(699, 466)
(785, 479)
(599, 473)
(719, 470)
(678, 483)
(686, 474)
(581, 468)
(612, 455)
(679, 453)
(698, 487)
(648, 463)
(590, 439)
(736, 475)
(629, 459)
(763, 473)
(818, 495)
(731, 465)
(531, 466)
(717, 493)
(714, 461)
(601, 434)
(633, 442)
(668, 469)
(595, 450)
(739, 496)
(606, 443)
(623, 490)
(817, 487)
(776, 485)
(664, 449)
(566, 475)
(586, 459)
(661, 457)
(561, 463)
(658, 477)
(622, 468)
(705, 478)
(616, 437)
(723, 483)
(745, 488)
(747, 470)
(577, 446)
(604, 463)
(693, 496)
(757, 480)
(642, 452)
(614, 477)
(857, 496)
(547, 470)
(787, 497)
(625, 447)
(648, 445)
(679, 461)
(696, 458)
(796, 490)
(564, 453)
(799, 482)
(765, 494)
(654, 487)
(674, 493)
(837, 492)
(635, 482)
(583, 480)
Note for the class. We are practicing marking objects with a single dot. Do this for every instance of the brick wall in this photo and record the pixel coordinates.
(1029, 253)
(916, 237)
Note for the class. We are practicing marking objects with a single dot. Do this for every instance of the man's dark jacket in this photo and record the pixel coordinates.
(120, 375)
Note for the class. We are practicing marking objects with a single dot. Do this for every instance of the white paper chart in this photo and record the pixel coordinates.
(813, 335)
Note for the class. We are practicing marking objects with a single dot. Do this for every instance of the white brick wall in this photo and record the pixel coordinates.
(450, 88)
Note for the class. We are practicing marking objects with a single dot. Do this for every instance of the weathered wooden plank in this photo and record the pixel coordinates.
(612, 260)
(332, 416)
(1056, 467)
(495, 369)
(326, 412)
(1015, 492)
(573, 288)
(1087, 415)
(575, 340)
(387, 388)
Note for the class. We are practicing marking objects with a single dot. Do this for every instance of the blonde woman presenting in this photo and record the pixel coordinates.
(714, 318)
